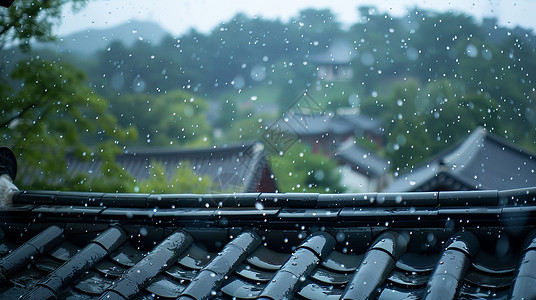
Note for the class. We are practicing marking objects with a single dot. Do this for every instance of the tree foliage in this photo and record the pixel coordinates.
(49, 115)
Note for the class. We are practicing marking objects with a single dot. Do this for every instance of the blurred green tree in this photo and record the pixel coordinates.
(48, 115)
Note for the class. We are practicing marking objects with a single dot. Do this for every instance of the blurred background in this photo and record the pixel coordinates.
(366, 93)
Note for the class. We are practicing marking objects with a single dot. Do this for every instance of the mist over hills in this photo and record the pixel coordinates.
(90, 40)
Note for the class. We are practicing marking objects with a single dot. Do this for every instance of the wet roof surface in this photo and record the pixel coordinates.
(482, 161)
(472, 245)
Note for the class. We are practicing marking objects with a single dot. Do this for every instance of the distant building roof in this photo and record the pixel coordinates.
(339, 52)
(482, 161)
(340, 124)
(361, 159)
(239, 168)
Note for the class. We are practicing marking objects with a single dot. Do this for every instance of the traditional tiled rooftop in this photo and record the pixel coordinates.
(482, 161)
(448, 245)
(361, 159)
(238, 168)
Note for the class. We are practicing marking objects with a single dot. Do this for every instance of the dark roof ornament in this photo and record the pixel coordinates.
(8, 172)
(8, 163)
(6, 3)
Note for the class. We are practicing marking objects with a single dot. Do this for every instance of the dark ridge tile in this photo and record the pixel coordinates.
(253, 274)
(236, 287)
(129, 213)
(408, 279)
(376, 214)
(450, 270)
(465, 242)
(300, 264)
(524, 284)
(78, 198)
(394, 292)
(31, 249)
(372, 272)
(284, 283)
(321, 243)
(35, 197)
(339, 262)
(243, 213)
(211, 277)
(312, 290)
(518, 216)
(316, 214)
(195, 257)
(111, 238)
(294, 200)
(110, 269)
(470, 213)
(184, 213)
(18, 209)
(64, 251)
(127, 255)
(180, 274)
(428, 199)
(376, 266)
(325, 276)
(123, 200)
(175, 200)
(246, 241)
(231, 200)
(205, 284)
(164, 287)
(76, 266)
(156, 261)
(525, 196)
(471, 198)
(93, 284)
(414, 262)
(345, 200)
(393, 243)
(484, 280)
(266, 259)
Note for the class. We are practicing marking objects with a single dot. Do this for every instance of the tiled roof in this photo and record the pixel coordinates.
(482, 161)
(343, 124)
(238, 168)
(434, 245)
(361, 159)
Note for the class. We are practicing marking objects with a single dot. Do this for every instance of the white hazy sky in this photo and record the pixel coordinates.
(178, 16)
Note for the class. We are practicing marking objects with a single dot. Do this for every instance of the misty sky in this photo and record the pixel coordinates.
(178, 16)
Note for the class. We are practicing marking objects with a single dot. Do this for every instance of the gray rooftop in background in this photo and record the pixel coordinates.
(236, 168)
(481, 161)
(361, 159)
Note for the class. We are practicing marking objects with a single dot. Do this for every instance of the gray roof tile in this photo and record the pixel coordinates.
(371, 245)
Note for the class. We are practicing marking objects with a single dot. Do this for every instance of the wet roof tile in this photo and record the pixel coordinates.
(385, 246)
